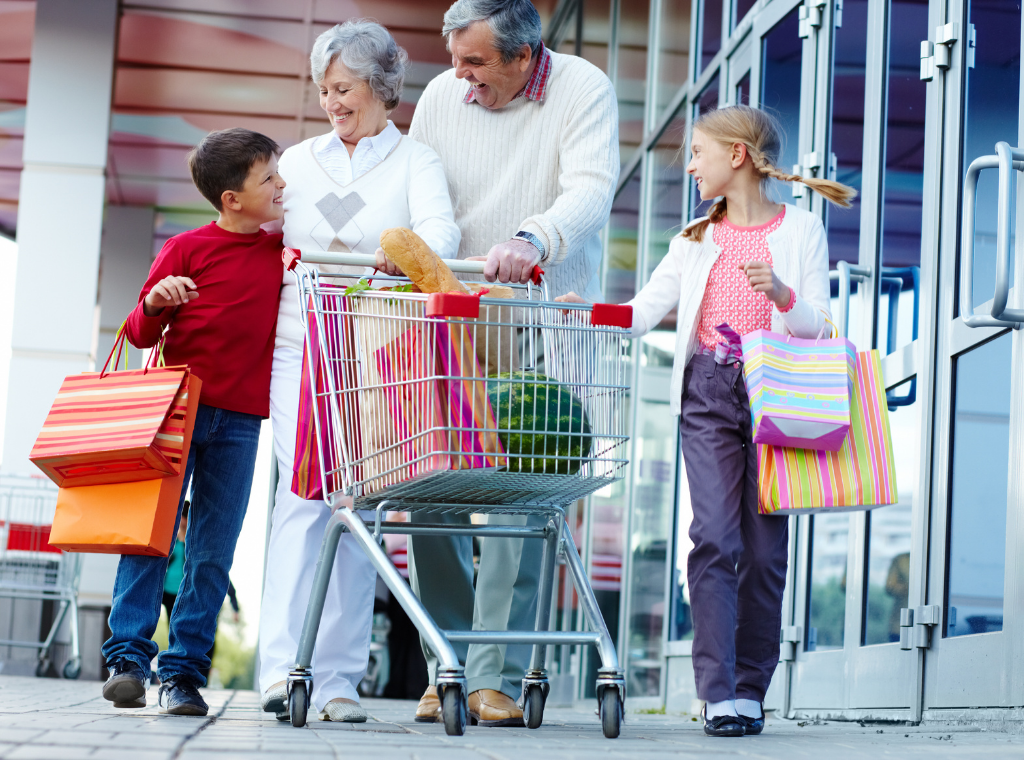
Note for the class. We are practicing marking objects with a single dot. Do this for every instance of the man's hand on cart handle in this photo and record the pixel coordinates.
(511, 261)
(386, 265)
(170, 291)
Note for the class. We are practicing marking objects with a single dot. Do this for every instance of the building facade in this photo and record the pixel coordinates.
(909, 611)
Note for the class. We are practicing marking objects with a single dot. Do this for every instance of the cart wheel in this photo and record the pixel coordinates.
(454, 711)
(73, 668)
(41, 667)
(298, 704)
(533, 706)
(611, 713)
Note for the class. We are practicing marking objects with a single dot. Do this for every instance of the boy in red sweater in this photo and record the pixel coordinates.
(216, 290)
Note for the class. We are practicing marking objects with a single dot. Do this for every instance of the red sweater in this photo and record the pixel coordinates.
(226, 336)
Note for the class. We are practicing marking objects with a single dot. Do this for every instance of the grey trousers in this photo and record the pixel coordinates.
(441, 575)
(737, 567)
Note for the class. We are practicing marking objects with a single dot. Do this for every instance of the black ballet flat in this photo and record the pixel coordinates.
(723, 725)
(753, 726)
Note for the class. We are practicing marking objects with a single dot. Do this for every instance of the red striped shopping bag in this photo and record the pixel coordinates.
(861, 475)
(115, 426)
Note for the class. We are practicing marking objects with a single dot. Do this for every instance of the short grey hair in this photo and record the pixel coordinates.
(514, 23)
(366, 49)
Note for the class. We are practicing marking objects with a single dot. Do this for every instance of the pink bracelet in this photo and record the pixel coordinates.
(791, 304)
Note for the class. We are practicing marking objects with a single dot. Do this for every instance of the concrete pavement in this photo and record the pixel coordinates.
(46, 719)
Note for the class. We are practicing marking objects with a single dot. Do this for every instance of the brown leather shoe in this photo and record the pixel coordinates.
(429, 708)
(488, 707)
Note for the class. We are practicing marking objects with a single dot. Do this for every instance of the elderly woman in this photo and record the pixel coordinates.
(344, 188)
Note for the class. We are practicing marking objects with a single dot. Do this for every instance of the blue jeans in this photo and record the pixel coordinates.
(220, 465)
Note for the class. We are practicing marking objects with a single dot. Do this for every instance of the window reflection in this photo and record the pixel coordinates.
(707, 100)
(596, 32)
(980, 472)
(992, 103)
(673, 50)
(743, 90)
(740, 9)
(668, 173)
(903, 176)
(623, 233)
(888, 571)
(847, 134)
(653, 507)
(826, 609)
(780, 82)
(631, 81)
(710, 32)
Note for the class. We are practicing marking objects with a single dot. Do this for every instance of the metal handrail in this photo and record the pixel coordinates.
(1006, 160)
(892, 278)
(844, 273)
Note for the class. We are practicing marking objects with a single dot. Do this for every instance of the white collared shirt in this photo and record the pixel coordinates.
(333, 156)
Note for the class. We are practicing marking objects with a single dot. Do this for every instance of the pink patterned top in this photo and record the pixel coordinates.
(728, 296)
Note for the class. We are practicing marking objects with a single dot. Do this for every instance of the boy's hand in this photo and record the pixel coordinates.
(569, 297)
(762, 279)
(170, 291)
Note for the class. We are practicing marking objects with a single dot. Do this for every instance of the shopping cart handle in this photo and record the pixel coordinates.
(291, 256)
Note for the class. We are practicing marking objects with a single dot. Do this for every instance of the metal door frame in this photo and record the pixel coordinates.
(978, 670)
(878, 681)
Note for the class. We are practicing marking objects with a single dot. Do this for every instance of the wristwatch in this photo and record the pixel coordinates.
(532, 239)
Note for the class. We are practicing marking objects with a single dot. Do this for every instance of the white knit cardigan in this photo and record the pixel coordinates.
(548, 168)
(799, 257)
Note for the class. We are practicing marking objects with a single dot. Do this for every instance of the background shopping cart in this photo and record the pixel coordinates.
(421, 406)
(31, 569)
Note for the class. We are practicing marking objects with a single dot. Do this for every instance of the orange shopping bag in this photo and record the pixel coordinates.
(125, 518)
(114, 427)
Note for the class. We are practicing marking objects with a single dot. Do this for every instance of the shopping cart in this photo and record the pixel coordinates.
(31, 569)
(421, 407)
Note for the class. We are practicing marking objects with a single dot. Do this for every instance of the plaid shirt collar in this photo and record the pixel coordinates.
(537, 88)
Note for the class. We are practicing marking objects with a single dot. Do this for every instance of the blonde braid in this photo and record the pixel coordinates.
(834, 192)
(762, 134)
(716, 214)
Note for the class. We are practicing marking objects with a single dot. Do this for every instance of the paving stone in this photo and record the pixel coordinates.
(64, 720)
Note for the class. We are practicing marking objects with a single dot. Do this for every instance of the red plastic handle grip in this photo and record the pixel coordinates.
(612, 315)
(291, 257)
(453, 305)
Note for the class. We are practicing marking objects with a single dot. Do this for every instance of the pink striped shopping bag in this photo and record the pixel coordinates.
(861, 475)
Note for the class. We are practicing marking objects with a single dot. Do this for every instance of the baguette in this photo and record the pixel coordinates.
(420, 264)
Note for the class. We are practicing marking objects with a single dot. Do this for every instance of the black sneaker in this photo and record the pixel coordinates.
(179, 695)
(753, 726)
(126, 685)
(722, 725)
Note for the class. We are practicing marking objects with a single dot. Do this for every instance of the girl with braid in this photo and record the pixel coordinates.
(755, 264)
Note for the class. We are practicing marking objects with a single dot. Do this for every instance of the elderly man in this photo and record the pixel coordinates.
(529, 143)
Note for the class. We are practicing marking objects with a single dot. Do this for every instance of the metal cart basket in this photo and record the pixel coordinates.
(31, 569)
(457, 404)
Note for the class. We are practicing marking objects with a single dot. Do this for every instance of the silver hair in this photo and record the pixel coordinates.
(514, 23)
(366, 49)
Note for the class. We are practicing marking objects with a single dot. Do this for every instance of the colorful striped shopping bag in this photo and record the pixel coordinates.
(861, 475)
(115, 426)
(315, 450)
(470, 416)
(799, 389)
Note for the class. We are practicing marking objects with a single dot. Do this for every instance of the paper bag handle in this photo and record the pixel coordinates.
(156, 358)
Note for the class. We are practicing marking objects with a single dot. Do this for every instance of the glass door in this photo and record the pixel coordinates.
(899, 249)
(971, 622)
(853, 570)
